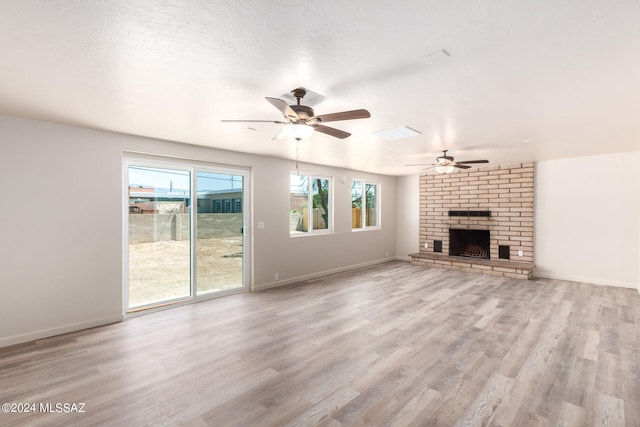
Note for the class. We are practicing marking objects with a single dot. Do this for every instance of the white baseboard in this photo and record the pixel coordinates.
(58, 330)
(284, 282)
(588, 280)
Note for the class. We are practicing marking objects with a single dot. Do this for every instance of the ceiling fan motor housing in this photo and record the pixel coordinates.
(304, 113)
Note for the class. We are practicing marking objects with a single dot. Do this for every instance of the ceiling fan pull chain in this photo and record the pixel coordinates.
(297, 155)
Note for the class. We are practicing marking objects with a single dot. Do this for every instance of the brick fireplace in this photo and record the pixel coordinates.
(479, 220)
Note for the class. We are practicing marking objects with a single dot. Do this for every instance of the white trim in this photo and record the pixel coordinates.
(319, 232)
(187, 301)
(59, 330)
(269, 285)
(587, 280)
(193, 237)
(124, 241)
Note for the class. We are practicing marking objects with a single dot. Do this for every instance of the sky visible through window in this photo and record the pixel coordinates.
(298, 184)
(178, 180)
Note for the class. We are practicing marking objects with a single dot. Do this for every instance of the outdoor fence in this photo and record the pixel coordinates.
(159, 227)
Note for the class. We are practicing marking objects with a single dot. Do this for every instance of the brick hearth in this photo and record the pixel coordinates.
(505, 191)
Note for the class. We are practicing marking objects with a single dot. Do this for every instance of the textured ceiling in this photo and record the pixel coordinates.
(526, 80)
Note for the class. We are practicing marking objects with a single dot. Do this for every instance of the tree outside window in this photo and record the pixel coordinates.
(309, 204)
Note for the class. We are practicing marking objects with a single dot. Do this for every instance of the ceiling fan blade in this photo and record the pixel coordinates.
(470, 162)
(344, 115)
(332, 131)
(254, 121)
(459, 166)
(425, 170)
(284, 108)
(279, 136)
(421, 164)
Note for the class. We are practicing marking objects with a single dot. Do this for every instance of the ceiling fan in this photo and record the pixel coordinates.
(301, 120)
(447, 164)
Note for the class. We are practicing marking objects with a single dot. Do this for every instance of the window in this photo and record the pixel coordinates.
(309, 210)
(237, 205)
(364, 205)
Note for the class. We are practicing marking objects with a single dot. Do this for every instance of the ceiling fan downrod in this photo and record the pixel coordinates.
(298, 94)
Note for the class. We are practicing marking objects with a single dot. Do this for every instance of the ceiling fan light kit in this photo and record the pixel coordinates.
(445, 169)
(297, 131)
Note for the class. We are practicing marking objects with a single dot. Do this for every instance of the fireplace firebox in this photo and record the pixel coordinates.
(469, 243)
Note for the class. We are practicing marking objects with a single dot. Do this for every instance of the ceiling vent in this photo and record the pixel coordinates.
(398, 133)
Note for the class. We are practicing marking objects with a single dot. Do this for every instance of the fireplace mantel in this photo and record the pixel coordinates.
(470, 214)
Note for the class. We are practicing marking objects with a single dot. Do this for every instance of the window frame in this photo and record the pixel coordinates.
(312, 231)
(364, 183)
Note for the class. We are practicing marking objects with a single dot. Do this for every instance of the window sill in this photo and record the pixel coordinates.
(314, 233)
(358, 230)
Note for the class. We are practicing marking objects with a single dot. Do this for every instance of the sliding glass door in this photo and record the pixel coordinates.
(185, 232)
(159, 235)
(220, 228)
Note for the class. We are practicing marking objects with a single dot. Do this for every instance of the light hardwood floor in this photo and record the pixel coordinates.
(394, 344)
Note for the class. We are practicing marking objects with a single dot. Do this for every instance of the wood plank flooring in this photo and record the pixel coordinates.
(392, 345)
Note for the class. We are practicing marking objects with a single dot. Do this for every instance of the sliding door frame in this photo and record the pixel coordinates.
(193, 166)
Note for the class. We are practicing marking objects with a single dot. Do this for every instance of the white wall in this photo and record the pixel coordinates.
(587, 219)
(408, 207)
(306, 256)
(61, 216)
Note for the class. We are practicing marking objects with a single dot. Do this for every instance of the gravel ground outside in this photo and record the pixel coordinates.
(159, 271)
